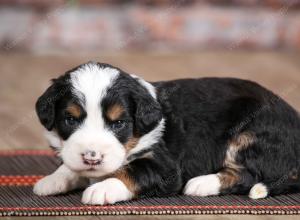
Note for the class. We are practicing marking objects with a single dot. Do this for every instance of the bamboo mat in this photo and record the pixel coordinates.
(19, 170)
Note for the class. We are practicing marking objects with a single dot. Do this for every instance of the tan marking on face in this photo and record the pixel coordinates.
(228, 177)
(131, 143)
(114, 112)
(74, 110)
(123, 175)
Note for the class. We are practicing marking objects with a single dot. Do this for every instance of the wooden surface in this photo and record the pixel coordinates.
(24, 78)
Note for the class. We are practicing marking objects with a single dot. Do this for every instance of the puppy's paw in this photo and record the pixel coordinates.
(258, 191)
(109, 191)
(52, 185)
(207, 185)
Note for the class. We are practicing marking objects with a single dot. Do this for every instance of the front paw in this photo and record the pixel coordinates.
(109, 191)
(51, 185)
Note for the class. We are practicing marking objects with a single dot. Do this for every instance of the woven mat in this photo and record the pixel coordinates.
(21, 169)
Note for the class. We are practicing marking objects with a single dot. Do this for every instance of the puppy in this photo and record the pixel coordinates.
(120, 137)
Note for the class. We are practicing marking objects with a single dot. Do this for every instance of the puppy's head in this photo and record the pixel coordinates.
(96, 116)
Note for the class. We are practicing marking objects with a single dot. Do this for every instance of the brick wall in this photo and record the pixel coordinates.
(90, 25)
(49, 4)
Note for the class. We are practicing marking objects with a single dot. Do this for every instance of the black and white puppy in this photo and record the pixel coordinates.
(135, 139)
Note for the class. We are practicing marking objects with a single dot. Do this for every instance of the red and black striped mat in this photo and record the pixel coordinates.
(19, 170)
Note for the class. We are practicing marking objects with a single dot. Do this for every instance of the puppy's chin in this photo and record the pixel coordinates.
(93, 173)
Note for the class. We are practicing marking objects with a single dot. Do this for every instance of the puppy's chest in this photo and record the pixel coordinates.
(95, 180)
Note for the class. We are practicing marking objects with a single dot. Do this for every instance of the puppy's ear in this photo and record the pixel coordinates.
(147, 113)
(45, 105)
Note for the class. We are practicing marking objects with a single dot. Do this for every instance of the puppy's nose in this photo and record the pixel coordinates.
(91, 153)
(92, 157)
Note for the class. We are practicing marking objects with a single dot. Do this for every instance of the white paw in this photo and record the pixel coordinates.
(258, 191)
(52, 185)
(207, 185)
(108, 191)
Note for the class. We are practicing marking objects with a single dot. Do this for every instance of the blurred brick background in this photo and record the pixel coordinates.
(161, 25)
(155, 39)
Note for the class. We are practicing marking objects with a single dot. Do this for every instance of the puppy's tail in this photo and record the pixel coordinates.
(286, 184)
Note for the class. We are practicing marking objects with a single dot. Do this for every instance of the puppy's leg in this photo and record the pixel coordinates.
(61, 181)
(109, 191)
(230, 176)
(212, 184)
(141, 178)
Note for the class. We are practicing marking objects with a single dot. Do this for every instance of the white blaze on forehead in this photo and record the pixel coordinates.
(92, 82)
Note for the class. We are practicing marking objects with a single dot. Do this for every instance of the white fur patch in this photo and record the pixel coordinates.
(61, 181)
(109, 191)
(258, 191)
(53, 139)
(207, 185)
(149, 139)
(99, 141)
(150, 88)
(93, 82)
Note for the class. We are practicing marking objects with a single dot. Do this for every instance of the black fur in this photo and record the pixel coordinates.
(46, 103)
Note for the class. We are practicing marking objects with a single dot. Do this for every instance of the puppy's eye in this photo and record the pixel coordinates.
(71, 121)
(118, 125)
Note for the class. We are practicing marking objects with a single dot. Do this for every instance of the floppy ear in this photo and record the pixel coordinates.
(45, 106)
(148, 112)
